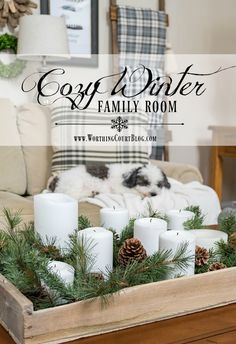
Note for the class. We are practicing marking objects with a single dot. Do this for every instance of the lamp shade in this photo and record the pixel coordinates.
(42, 36)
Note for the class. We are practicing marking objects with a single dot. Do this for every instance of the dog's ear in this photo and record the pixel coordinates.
(164, 183)
(130, 178)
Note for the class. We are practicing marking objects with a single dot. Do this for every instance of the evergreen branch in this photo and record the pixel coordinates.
(79, 254)
(226, 253)
(227, 221)
(128, 232)
(83, 222)
(156, 214)
(12, 219)
(197, 221)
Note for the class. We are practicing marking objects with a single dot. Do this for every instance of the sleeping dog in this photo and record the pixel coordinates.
(88, 181)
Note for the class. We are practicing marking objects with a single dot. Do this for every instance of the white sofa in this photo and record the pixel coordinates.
(24, 169)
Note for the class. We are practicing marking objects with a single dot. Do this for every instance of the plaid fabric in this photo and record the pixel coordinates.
(141, 36)
(142, 40)
(135, 81)
(68, 154)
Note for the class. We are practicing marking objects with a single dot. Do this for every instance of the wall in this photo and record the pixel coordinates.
(204, 27)
(196, 26)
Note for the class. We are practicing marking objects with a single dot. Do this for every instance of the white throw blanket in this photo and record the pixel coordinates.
(178, 197)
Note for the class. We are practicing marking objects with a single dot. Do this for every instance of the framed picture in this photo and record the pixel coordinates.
(81, 18)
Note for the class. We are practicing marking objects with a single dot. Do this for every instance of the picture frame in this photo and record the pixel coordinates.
(82, 27)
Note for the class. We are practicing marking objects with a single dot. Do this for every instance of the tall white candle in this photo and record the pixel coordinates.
(99, 241)
(208, 238)
(115, 218)
(172, 240)
(64, 271)
(177, 218)
(148, 230)
(55, 215)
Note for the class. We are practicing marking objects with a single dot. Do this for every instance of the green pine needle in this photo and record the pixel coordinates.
(83, 223)
(227, 221)
(197, 221)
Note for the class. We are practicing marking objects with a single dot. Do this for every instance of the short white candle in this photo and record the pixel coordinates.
(172, 240)
(99, 241)
(64, 271)
(177, 218)
(55, 215)
(148, 230)
(114, 218)
(208, 238)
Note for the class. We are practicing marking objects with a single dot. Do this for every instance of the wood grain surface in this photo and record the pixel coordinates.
(213, 326)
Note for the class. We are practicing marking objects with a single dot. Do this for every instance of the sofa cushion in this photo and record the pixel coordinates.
(15, 203)
(12, 171)
(34, 130)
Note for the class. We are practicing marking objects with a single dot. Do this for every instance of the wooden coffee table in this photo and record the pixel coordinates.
(213, 326)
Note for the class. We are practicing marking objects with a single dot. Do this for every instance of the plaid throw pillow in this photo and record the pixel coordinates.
(69, 153)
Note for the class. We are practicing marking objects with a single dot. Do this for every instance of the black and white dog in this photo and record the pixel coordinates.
(85, 181)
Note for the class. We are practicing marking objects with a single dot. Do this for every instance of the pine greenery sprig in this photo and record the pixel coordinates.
(79, 254)
(13, 220)
(227, 254)
(156, 214)
(227, 221)
(197, 221)
(83, 223)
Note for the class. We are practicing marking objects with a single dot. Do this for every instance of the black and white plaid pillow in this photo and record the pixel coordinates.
(68, 124)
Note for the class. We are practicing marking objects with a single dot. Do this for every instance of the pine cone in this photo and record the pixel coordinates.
(51, 251)
(202, 256)
(232, 241)
(216, 266)
(132, 250)
(97, 276)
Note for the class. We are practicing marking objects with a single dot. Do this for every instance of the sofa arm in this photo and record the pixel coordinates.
(181, 172)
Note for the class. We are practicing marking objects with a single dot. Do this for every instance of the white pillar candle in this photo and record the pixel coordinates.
(114, 218)
(148, 230)
(99, 242)
(55, 215)
(64, 271)
(177, 218)
(172, 240)
(208, 238)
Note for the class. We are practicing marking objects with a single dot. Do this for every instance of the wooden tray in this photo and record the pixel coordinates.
(133, 306)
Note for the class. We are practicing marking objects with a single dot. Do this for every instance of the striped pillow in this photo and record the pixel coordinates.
(70, 150)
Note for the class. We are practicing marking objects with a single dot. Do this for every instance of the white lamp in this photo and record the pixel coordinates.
(42, 38)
